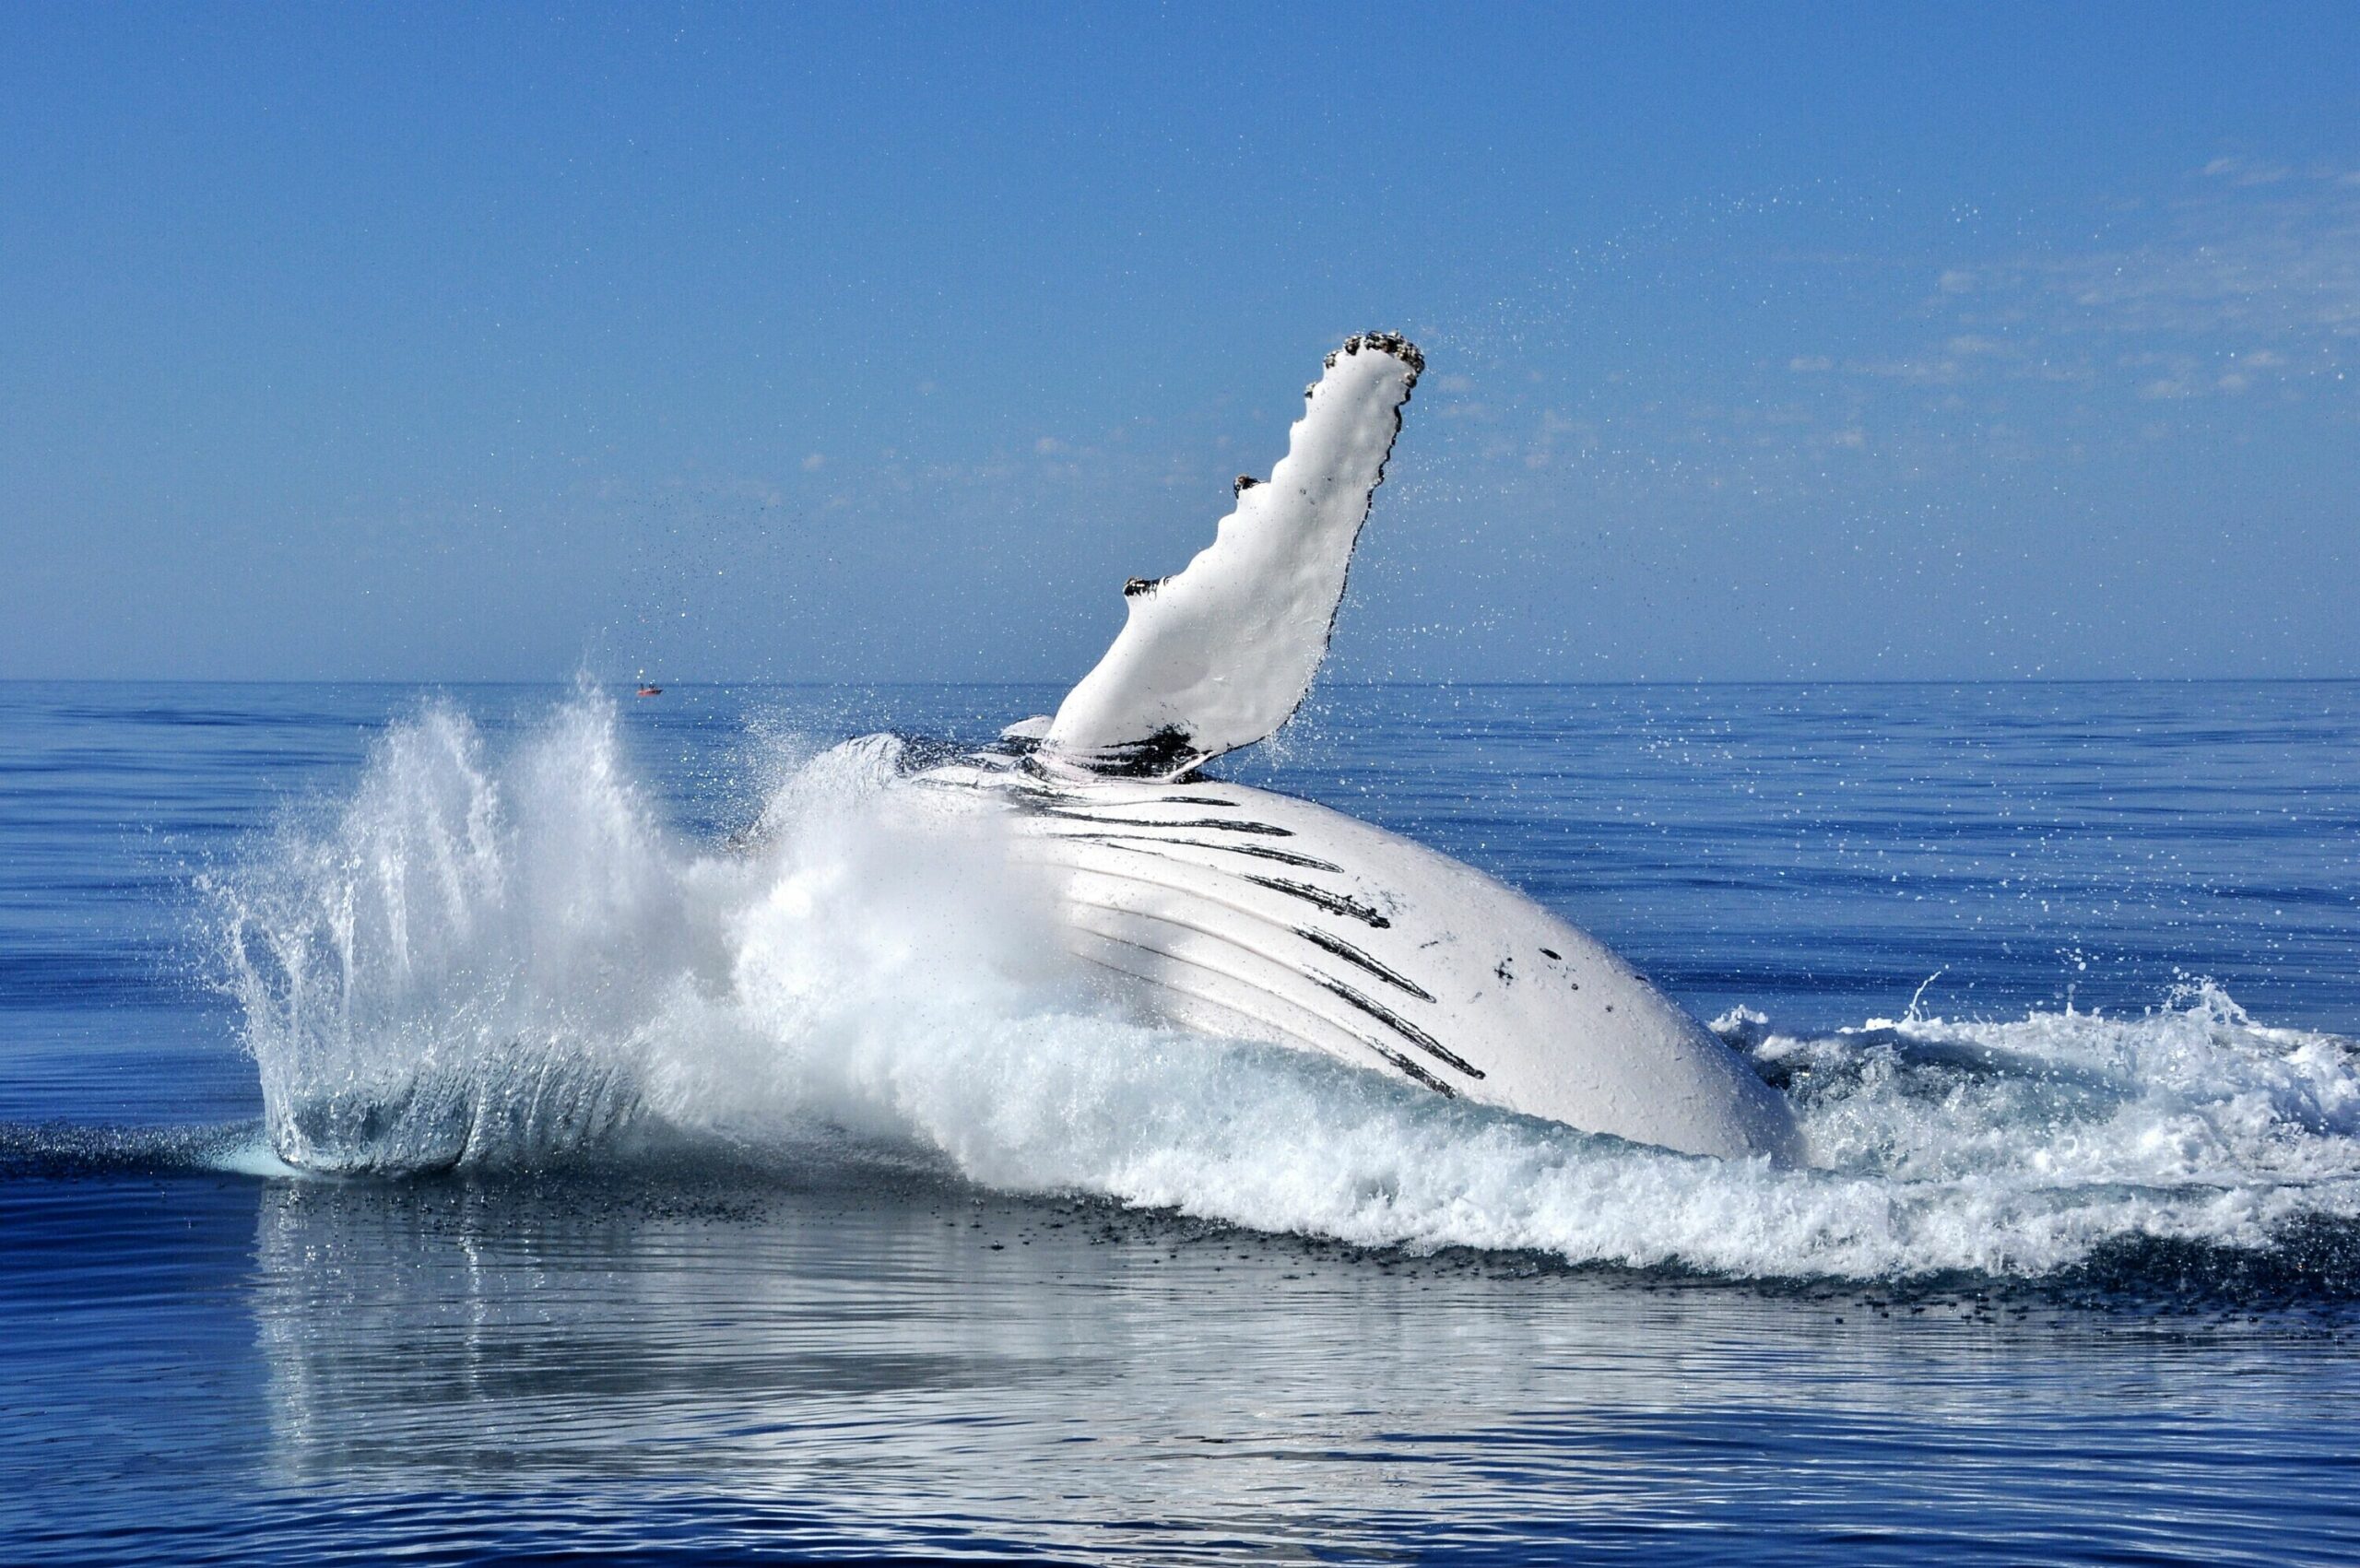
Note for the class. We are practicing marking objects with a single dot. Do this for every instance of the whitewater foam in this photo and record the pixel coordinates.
(484, 961)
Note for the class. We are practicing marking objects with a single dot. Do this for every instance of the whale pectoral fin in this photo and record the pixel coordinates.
(1219, 655)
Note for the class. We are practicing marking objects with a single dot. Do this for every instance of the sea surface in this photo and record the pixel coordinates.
(676, 1191)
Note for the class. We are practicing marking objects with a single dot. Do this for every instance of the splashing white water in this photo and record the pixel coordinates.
(484, 962)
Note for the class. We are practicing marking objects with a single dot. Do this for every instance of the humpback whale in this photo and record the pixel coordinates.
(1254, 915)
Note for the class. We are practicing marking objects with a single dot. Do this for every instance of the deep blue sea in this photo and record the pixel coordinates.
(702, 1199)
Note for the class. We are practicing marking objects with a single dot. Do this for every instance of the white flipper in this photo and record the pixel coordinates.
(1221, 655)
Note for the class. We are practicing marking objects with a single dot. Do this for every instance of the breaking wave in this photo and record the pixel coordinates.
(488, 960)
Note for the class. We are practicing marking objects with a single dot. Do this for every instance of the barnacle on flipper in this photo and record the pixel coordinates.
(1391, 342)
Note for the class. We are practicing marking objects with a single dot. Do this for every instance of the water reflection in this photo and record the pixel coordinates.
(873, 1350)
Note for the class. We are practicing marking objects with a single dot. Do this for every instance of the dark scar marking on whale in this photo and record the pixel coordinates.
(1138, 843)
(1411, 1068)
(1396, 1023)
(1169, 753)
(1407, 1066)
(1334, 904)
(1352, 955)
(1070, 801)
(1266, 829)
(1551, 952)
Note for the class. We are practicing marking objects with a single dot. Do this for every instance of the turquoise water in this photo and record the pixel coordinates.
(799, 1212)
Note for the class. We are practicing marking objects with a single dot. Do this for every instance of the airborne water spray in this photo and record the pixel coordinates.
(490, 959)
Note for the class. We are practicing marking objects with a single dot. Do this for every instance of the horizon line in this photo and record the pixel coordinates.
(423, 682)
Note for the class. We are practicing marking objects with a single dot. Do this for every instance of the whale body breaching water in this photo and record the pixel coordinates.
(1088, 966)
(1252, 915)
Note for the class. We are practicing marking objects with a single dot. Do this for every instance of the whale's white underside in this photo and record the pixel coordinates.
(1258, 916)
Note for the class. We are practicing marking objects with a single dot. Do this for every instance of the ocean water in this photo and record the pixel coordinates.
(664, 1193)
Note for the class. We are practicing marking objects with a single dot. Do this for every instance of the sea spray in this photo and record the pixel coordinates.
(460, 965)
(482, 961)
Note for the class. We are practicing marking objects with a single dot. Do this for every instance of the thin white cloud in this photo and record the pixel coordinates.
(2246, 171)
(2251, 272)
(2276, 258)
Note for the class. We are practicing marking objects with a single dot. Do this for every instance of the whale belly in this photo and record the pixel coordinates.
(1242, 912)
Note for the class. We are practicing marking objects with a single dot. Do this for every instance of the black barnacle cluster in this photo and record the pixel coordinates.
(1391, 342)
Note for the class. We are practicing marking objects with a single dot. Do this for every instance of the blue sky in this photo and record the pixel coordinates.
(439, 344)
